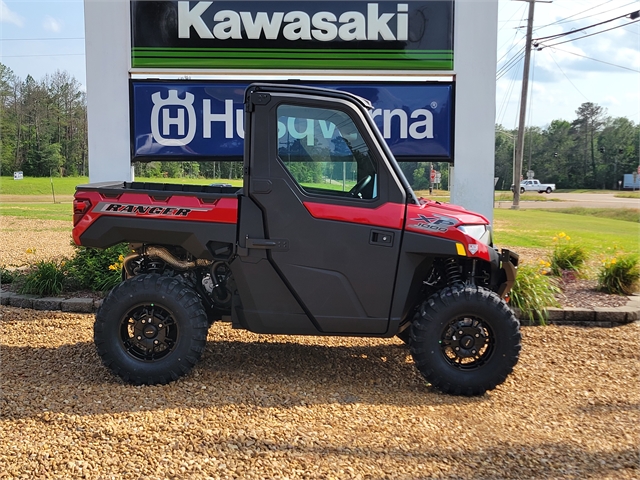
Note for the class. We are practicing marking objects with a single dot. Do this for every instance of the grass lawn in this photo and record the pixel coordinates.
(536, 228)
(40, 211)
(67, 185)
(627, 195)
(40, 185)
(583, 190)
(626, 214)
(525, 197)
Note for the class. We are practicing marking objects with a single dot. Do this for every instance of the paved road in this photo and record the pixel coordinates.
(568, 200)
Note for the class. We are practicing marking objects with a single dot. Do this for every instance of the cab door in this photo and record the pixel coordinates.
(332, 212)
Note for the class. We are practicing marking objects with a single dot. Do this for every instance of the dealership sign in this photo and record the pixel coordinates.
(349, 35)
(205, 120)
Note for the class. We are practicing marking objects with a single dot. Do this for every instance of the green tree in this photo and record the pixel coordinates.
(35, 116)
(556, 164)
(591, 119)
(504, 152)
(617, 145)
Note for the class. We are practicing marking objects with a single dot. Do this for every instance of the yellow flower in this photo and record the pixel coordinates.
(121, 258)
(113, 267)
(63, 263)
(555, 239)
(568, 237)
(562, 234)
(31, 250)
(613, 261)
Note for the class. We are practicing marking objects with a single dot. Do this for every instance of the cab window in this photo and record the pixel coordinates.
(325, 153)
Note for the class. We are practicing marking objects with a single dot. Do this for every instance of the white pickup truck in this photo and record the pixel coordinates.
(535, 186)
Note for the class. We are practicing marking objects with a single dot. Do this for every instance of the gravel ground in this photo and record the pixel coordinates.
(311, 407)
(46, 240)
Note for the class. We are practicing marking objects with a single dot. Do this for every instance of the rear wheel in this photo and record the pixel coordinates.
(151, 329)
(465, 340)
(521, 189)
(548, 190)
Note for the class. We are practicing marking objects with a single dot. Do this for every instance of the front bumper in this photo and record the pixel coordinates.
(508, 262)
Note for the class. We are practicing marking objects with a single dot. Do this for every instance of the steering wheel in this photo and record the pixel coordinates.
(358, 187)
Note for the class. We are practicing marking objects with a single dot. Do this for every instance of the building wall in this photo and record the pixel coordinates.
(476, 36)
(108, 57)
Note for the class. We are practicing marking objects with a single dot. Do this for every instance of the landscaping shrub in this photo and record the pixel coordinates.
(620, 275)
(532, 293)
(566, 256)
(45, 278)
(5, 276)
(95, 269)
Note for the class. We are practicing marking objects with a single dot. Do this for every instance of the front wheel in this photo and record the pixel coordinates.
(465, 340)
(151, 329)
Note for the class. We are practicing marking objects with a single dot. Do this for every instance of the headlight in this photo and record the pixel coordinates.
(481, 233)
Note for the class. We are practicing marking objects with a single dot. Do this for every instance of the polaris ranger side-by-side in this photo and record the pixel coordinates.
(294, 252)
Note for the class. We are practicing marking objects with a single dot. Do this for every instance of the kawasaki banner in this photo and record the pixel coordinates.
(298, 35)
(199, 120)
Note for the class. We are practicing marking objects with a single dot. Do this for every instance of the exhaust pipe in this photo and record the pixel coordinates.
(164, 254)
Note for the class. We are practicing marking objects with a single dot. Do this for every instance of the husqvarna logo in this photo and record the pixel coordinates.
(173, 119)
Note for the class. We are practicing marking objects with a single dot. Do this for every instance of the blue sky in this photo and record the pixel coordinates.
(40, 37)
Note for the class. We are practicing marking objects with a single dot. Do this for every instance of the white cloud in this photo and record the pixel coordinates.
(7, 16)
(611, 100)
(50, 24)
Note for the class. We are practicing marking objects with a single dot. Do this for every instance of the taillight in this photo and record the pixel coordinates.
(80, 207)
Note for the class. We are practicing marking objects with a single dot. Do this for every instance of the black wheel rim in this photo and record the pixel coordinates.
(148, 332)
(467, 342)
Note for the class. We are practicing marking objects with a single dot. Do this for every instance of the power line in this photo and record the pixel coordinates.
(510, 63)
(589, 16)
(513, 15)
(515, 63)
(595, 59)
(565, 76)
(550, 37)
(503, 108)
(585, 36)
(566, 19)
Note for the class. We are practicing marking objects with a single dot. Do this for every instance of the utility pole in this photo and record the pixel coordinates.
(517, 169)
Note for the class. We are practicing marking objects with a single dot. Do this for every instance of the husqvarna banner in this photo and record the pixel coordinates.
(205, 120)
(301, 34)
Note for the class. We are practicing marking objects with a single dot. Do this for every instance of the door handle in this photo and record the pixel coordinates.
(279, 245)
(381, 237)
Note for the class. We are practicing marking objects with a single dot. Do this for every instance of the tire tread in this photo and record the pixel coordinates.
(161, 290)
(425, 335)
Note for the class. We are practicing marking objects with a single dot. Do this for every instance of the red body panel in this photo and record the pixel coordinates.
(442, 219)
(430, 218)
(389, 215)
(175, 207)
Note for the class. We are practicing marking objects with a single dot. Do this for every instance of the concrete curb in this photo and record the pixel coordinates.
(73, 305)
(596, 317)
(585, 317)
